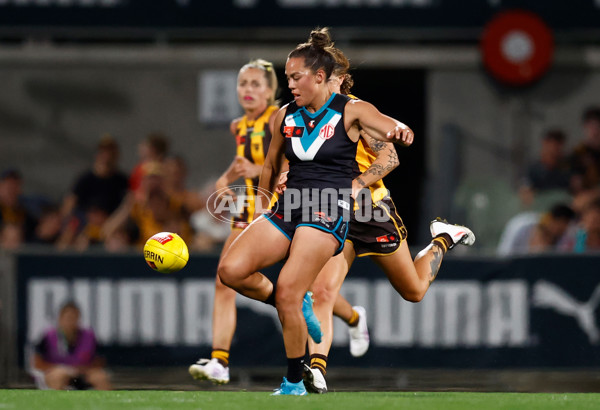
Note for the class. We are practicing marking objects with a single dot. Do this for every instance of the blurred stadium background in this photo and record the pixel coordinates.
(478, 86)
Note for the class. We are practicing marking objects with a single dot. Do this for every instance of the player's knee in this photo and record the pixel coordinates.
(287, 300)
(324, 294)
(414, 295)
(228, 272)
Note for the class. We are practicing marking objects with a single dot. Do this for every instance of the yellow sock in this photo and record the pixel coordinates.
(353, 319)
(221, 355)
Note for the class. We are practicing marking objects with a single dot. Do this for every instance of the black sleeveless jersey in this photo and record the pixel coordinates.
(320, 153)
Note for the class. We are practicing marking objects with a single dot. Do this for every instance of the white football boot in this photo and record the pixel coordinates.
(314, 381)
(459, 234)
(359, 334)
(212, 370)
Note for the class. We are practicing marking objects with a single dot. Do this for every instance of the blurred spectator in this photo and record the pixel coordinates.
(176, 185)
(16, 223)
(65, 358)
(533, 233)
(48, 229)
(103, 186)
(585, 237)
(11, 236)
(151, 209)
(585, 159)
(96, 194)
(210, 232)
(153, 149)
(550, 171)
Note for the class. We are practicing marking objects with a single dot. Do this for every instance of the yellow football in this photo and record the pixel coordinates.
(166, 252)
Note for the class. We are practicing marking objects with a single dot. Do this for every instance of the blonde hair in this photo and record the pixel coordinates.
(270, 75)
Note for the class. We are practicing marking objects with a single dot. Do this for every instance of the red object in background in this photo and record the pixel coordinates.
(517, 47)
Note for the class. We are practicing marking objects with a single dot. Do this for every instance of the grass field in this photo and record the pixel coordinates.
(153, 399)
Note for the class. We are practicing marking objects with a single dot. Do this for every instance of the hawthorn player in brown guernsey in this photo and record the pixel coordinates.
(256, 89)
(382, 238)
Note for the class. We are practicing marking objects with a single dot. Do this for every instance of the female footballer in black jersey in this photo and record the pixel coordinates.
(308, 226)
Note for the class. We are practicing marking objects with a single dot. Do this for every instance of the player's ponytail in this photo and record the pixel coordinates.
(342, 68)
(316, 52)
(320, 38)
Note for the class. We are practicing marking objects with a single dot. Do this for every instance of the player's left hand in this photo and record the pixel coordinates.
(402, 135)
(246, 168)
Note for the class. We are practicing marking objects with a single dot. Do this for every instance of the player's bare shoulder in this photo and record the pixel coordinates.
(277, 118)
(234, 125)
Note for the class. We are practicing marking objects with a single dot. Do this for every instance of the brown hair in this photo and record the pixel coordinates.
(70, 304)
(159, 143)
(342, 68)
(555, 135)
(317, 51)
(270, 76)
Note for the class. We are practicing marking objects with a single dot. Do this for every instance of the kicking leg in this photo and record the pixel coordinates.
(412, 279)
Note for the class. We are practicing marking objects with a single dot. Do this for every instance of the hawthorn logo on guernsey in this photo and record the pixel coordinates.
(162, 238)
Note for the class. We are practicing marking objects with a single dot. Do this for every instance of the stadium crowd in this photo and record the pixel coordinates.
(567, 186)
(109, 209)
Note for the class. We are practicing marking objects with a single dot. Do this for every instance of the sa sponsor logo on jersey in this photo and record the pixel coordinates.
(293, 131)
(326, 132)
(387, 238)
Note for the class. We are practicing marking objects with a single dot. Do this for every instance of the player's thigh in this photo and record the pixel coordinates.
(260, 245)
(230, 239)
(309, 251)
(399, 269)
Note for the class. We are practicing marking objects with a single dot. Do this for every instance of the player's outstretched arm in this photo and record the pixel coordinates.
(377, 125)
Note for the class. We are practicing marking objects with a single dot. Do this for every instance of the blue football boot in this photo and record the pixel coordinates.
(290, 389)
(312, 323)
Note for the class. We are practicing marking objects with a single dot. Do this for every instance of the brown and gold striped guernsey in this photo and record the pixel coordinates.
(252, 139)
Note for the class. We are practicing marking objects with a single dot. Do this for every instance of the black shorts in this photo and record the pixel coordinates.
(337, 226)
(378, 237)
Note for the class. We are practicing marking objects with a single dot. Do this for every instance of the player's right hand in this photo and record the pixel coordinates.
(281, 185)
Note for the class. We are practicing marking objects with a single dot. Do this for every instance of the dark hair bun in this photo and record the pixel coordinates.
(320, 38)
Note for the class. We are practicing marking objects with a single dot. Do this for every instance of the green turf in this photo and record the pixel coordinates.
(63, 400)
